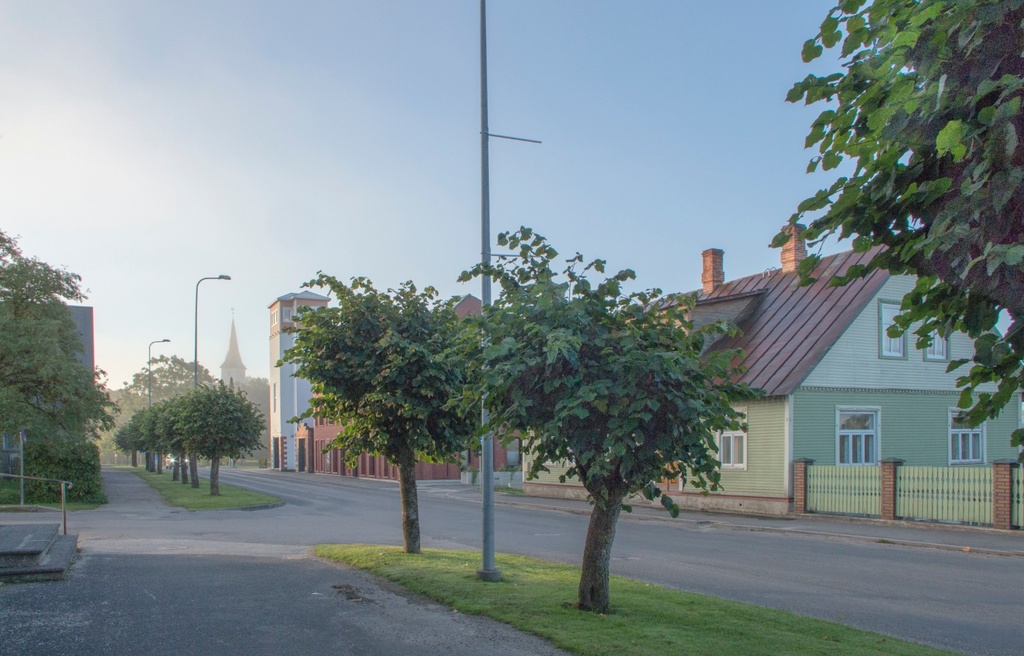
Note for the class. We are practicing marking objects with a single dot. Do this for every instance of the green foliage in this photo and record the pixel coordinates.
(63, 459)
(616, 384)
(43, 386)
(928, 111)
(381, 364)
(172, 376)
(214, 422)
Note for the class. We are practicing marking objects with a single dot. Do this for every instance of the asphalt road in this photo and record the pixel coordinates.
(965, 602)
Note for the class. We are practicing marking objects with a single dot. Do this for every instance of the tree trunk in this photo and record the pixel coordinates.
(184, 469)
(135, 458)
(159, 463)
(193, 466)
(176, 470)
(410, 505)
(597, 554)
(214, 473)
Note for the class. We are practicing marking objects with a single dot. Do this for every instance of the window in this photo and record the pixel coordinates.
(966, 444)
(939, 349)
(857, 441)
(287, 314)
(891, 347)
(732, 450)
(274, 318)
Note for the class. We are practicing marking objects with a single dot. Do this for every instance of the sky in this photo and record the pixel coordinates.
(147, 144)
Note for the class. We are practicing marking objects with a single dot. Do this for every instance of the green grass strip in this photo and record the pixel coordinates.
(538, 597)
(190, 498)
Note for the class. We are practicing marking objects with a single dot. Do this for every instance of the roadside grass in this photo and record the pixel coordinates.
(10, 499)
(539, 597)
(190, 498)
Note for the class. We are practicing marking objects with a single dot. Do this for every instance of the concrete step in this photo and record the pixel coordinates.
(52, 566)
(23, 545)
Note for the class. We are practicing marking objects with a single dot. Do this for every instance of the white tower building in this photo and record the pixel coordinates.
(289, 394)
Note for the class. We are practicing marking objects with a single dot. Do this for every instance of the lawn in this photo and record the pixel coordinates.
(539, 597)
(190, 498)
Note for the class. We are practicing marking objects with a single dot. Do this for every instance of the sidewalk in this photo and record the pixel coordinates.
(908, 533)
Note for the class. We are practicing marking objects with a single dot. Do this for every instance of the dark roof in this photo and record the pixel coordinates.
(786, 328)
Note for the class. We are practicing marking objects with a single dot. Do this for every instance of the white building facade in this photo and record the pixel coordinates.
(289, 394)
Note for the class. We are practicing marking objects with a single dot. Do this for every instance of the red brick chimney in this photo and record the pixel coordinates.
(714, 274)
(794, 250)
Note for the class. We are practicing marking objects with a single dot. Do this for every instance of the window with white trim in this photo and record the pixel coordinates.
(287, 314)
(966, 444)
(938, 349)
(891, 347)
(857, 437)
(274, 316)
(732, 450)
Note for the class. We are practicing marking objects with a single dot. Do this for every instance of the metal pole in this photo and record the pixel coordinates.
(149, 367)
(195, 350)
(487, 571)
(21, 463)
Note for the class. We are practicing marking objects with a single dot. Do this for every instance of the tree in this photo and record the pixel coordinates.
(381, 364)
(172, 376)
(216, 422)
(44, 387)
(929, 111)
(613, 383)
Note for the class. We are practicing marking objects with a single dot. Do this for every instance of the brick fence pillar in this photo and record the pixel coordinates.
(887, 482)
(1002, 493)
(800, 485)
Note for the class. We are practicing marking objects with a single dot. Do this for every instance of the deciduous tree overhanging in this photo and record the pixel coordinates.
(617, 384)
(44, 387)
(382, 364)
(928, 110)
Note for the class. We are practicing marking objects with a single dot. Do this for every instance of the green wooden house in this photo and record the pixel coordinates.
(838, 390)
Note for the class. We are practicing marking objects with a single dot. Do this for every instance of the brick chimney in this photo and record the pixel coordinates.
(794, 250)
(714, 274)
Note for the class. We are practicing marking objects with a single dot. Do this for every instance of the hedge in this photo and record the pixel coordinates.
(68, 460)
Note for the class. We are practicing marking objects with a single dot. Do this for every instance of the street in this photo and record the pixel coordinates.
(965, 602)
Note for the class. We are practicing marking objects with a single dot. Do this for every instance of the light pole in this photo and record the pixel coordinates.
(195, 351)
(149, 395)
(149, 366)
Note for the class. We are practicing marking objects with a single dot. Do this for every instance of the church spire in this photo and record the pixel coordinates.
(232, 372)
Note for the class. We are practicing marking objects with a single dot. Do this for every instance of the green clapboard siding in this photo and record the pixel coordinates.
(765, 473)
(913, 426)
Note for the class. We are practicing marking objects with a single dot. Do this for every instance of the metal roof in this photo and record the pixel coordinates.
(786, 328)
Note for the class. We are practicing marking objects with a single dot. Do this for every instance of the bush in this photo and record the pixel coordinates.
(69, 460)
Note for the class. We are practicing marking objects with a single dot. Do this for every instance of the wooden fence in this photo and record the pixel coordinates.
(991, 496)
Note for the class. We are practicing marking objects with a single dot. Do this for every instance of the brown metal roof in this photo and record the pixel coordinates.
(786, 328)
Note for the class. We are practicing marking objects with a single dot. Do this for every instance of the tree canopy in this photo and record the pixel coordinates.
(382, 365)
(616, 384)
(928, 113)
(44, 387)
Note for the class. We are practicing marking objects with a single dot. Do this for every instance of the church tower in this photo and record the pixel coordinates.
(232, 372)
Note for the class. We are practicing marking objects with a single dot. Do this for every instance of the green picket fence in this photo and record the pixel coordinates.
(945, 494)
(843, 490)
(1017, 504)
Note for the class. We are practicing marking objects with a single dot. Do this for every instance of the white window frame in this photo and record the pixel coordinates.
(732, 437)
(959, 433)
(287, 314)
(890, 348)
(876, 436)
(274, 315)
(933, 353)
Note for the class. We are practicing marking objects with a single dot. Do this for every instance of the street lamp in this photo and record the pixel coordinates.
(149, 366)
(195, 352)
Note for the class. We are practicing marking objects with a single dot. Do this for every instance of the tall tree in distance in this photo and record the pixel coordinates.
(928, 111)
(610, 382)
(382, 365)
(44, 387)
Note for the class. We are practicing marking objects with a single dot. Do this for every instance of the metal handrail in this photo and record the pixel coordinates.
(63, 492)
